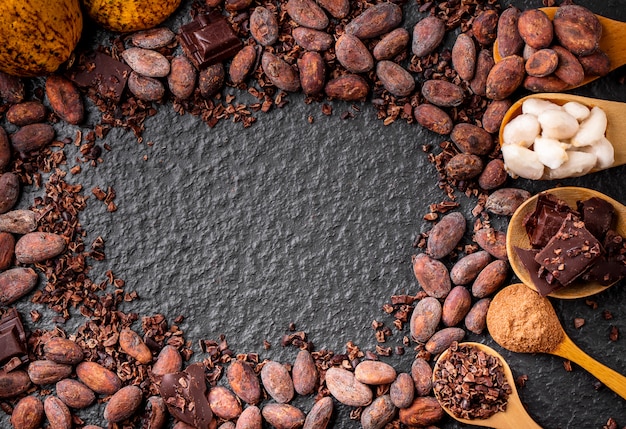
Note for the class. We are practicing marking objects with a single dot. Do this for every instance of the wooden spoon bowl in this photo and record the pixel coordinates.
(612, 42)
(515, 415)
(517, 237)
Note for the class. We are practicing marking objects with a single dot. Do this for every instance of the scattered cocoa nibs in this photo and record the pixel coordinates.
(607, 315)
(520, 381)
(610, 424)
(614, 333)
(567, 365)
(579, 322)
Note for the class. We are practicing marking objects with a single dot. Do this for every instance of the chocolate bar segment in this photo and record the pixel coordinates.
(542, 224)
(537, 272)
(209, 39)
(12, 338)
(102, 72)
(598, 215)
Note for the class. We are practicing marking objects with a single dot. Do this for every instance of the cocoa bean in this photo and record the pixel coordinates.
(304, 373)
(595, 64)
(153, 38)
(283, 416)
(569, 70)
(5, 149)
(132, 344)
(492, 241)
(307, 13)
(402, 390)
(428, 33)
(494, 174)
(535, 28)
(57, 413)
(374, 372)
(484, 64)
(155, 414)
(123, 404)
(242, 64)
(442, 93)
(277, 382)
(380, 412)
(337, 8)
(38, 246)
(541, 63)
(456, 306)
(7, 250)
(236, 5)
(33, 137)
(244, 382)
(353, 54)
(442, 339)
(211, 80)
(9, 191)
(348, 87)
(13, 383)
(466, 269)
(182, 78)
(506, 200)
(16, 283)
(345, 388)
(320, 414)
(18, 221)
(250, 418)
(169, 361)
(544, 84)
(395, 79)
(11, 88)
(505, 77)
(280, 73)
(391, 44)
(490, 279)
(98, 378)
(74, 394)
(485, 26)
(422, 376)
(472, 139)
(63, 350)
(224, 403)
(464, 166)
(476, 319)
(47, 372)
(577, 29)
(432, 275)
(509, 40)
(312, 73)
(492, 118)
(25, 113)
(263, 26)
(28, 413)
(464, 56)
(433, 118)
(145, 88)
(375, 21)
(425, 319)
(312, 40)
(424, 411)
(65, 99)
(445, 235)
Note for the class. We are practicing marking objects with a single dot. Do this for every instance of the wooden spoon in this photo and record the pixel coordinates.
(612, 42)
(507, 320)
(516, 236)
(515, 415)
(615, 113)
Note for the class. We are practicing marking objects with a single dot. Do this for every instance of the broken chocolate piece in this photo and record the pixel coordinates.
(102, 72)
(12, 339)
(570, 252)
(209, 39)
(598, 215)
(542, 224)
(185, 395)
(536, 272)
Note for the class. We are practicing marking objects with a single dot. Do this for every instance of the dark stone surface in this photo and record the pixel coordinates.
(244, 231)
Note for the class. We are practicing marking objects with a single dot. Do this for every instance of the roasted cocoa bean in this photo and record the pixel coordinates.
(541, 63)
(13, 383)
(283, 416)
(476, 319)
(11, 88)
(57, 413)
(535, 28)
(7, 250)
(466, 269)
(484, 64)
(32, 137)
(98, 378)
(445, 235)
(155, 414)
(211, 80)
(577, 29)
(472, 139)
(374, 372)
(244, 382)
(18, 221)
(442, 93)
(348, 87)
(595, 64)
(28, 413)
(47, 372)
(353, 54)
(123, 404)
(5, 149)
(485, 27)
(464, 166)
(9, 191)
(236, 5)
(280, 73)
(182, 78)
(456, 306)
(424, 411)
(264, 26)
(422, 376)
(168, 361)
(544, 84)
(428, 33)
(395, 79)
(432, 275)
(38, 246)
(25, 113)
(509, 40)
(375, 21)
(63, 350)
(16, 283)
(505, 77)
(377, 414)
(506, 200)
(442, 339)
(307, 13)
(224, 403)
(312, 40)
(132, 344)
(337, 8)
(425, 319)
(65, 99)
(490, 279)
(153, 38)
(494, 174)
(277, 382)
(74, 394)
(492, 241)
(251, 418)
(433, 118)
(242, 64)
(391, 44)
(145, 88)
(319, 416)
(304, 373)
(494, 114)
(312, 73)
(464, 56)
(402, 390)
(569, 70)
(345, 388)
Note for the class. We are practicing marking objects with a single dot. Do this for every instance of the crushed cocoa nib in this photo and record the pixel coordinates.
(614, 333)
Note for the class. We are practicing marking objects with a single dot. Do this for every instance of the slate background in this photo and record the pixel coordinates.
(244, 231)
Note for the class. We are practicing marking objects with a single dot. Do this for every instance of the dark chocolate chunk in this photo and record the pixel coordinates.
(537, 272)
(102, 72)
(598, 215)
(185, 395)
(209, 39)
(542, 224)
(570, 252)
(12, 338)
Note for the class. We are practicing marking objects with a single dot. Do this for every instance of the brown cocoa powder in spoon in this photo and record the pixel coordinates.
(521, 320)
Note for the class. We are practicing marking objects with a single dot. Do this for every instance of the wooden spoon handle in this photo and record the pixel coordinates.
(610, 378)
(515, 416)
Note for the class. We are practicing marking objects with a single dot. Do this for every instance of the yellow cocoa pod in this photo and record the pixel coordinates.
(38, 35)
(130, 15)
